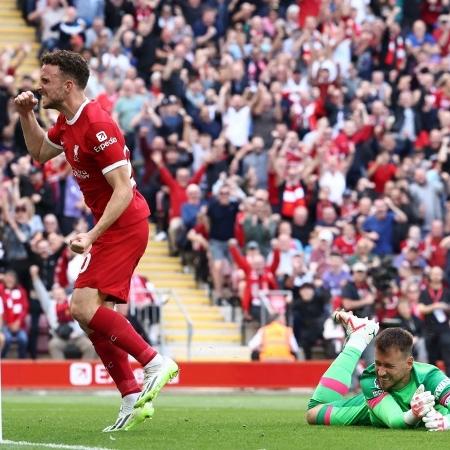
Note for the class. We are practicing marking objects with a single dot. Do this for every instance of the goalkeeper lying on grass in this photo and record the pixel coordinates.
(396, 391)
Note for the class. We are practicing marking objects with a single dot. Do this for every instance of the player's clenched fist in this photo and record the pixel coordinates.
(25, 102)
(422, 402)
(435, 421)
(81, 243)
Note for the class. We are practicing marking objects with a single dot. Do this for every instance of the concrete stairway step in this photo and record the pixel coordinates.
(170, 284)
(211, 352)
(204, 332)
(17, 30)
(205, 325)
(195, 317)
(191, 308)
(11, 14)
(205, 339)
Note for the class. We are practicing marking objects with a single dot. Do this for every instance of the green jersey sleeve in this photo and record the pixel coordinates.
(434, 381)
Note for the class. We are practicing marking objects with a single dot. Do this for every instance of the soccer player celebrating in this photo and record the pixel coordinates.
(100, 160)
(396, 391)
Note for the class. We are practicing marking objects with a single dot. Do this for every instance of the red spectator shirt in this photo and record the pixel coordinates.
(438, 256)
(15, 304)
(94, 146)
(382, 175)
(345, 247)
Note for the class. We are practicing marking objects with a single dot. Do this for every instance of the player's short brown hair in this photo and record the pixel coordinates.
(394, 338)
(70, 63)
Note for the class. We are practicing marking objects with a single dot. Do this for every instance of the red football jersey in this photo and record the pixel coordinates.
(94, 145)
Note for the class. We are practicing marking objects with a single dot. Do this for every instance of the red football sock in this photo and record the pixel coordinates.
(121, 333)
(116, 363)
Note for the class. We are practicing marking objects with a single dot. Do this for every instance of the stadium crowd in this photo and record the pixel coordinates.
(281, 145)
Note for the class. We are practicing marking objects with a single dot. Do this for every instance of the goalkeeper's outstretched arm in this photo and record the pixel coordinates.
(387, 410)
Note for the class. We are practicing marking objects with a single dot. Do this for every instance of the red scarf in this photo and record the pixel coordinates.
(293, 196)
(396, 53)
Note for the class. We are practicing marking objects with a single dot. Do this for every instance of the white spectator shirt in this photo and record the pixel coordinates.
(237, 123)
(336, 183)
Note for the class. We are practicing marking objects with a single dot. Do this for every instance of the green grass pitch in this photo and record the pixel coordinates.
(197, 421)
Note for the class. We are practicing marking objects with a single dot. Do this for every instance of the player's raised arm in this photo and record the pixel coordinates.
(39, 148)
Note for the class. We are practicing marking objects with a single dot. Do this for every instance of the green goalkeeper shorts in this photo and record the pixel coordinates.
(349, 411)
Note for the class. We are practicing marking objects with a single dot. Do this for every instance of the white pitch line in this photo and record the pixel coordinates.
(42, 444)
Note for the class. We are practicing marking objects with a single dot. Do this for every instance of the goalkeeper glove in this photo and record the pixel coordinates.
(435, 421)
(422, 403)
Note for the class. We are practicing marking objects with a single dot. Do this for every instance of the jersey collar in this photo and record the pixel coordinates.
(78, 113)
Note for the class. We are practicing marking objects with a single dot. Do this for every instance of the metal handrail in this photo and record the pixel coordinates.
(190, 326)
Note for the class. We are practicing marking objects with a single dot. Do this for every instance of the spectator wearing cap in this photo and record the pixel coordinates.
(379, 226)
(172, 117)
(310, 310)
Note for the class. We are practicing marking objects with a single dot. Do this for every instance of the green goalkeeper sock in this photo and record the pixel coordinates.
(336, 381)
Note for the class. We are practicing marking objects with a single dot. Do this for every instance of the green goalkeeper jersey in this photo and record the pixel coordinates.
(386, 408)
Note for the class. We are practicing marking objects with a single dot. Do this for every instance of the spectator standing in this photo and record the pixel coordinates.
(309, 309)
(434, 305)
(15, 305)
(222, 214)
(67, 337)
(379, 226)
